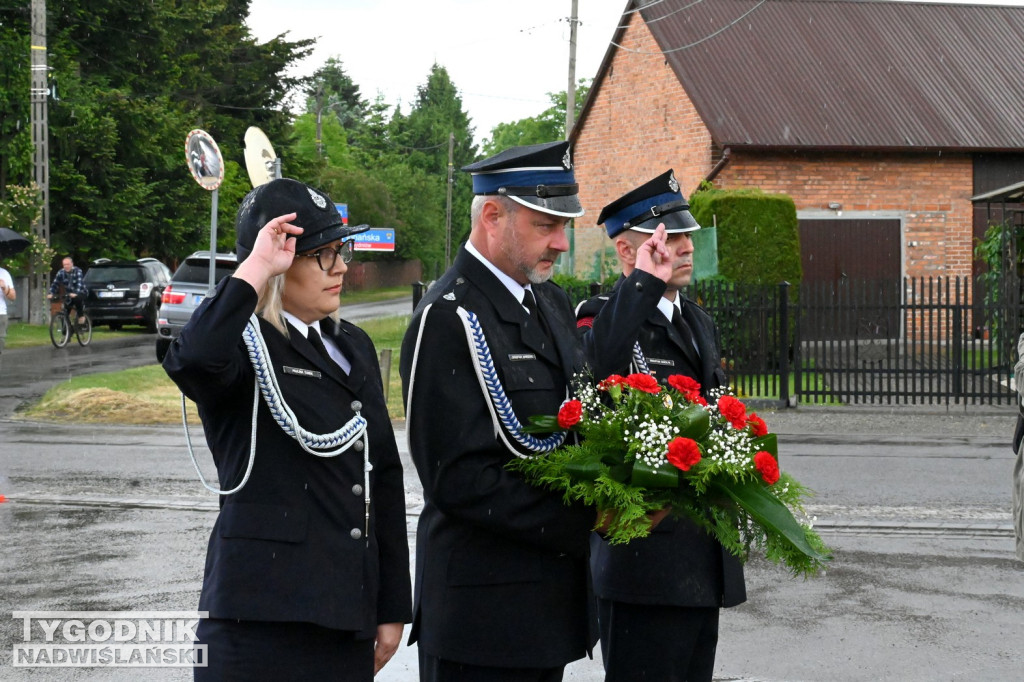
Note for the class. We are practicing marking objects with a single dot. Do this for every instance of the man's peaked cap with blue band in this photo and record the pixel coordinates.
(644, 208)
(538, 176)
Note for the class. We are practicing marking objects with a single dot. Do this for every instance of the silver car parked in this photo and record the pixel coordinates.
(189, 286)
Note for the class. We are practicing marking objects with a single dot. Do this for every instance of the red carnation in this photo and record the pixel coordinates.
(683, 453)
(733, 410)
(644, 382)
(768, 467)
(569, 414)
(613, 380)
(683, 383)
(757, 426)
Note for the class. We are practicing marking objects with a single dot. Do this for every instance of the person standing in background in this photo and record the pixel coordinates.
(659, 597)
(7, 294)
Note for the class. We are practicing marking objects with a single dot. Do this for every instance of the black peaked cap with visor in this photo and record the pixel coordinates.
(642, 209)
(316, 215)
(538, 176)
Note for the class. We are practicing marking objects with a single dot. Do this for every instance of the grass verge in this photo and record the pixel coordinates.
(145, 395)
(22, 335)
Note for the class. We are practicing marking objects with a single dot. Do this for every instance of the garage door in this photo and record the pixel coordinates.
(851, 278)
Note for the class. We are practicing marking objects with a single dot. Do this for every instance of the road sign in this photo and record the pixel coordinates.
(375, 239)
(343, 210)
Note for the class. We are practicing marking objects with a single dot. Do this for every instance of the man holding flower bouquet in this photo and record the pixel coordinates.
(659, 596)
(501, 589)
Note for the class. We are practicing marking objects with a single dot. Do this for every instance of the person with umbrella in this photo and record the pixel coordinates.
(11, 243)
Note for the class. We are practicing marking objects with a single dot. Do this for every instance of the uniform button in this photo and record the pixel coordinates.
(356, 533)
(358, 445)
(357, 489)
(639, 286)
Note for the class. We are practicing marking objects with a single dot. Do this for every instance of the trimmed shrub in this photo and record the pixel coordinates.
(758, 234)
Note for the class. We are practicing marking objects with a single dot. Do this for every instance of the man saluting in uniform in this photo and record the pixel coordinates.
(501, 565)
(658, 597)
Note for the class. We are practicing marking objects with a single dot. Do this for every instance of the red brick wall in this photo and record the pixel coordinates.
(933, 191)
(642, 122)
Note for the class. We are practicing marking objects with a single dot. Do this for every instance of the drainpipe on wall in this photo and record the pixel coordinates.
(722, 163)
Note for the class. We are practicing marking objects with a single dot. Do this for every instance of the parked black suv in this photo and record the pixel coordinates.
(125, 292)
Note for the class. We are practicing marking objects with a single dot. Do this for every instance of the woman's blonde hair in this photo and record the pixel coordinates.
(269, 304)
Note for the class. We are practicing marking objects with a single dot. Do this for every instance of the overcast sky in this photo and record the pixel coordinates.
(504, 56)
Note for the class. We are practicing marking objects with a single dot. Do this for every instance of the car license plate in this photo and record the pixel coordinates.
(197, 298)
(109, 294)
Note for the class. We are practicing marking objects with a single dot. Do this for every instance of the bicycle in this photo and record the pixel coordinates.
(63, 323)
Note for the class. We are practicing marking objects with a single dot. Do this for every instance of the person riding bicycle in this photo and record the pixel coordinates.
(71, 278)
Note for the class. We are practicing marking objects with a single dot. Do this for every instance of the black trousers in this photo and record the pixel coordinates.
(657, 643)
(252, 651)
(433, 669)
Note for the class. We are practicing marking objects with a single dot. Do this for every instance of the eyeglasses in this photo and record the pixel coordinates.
(327, 257)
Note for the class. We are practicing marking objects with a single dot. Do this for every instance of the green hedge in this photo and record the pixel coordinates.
(758, 234)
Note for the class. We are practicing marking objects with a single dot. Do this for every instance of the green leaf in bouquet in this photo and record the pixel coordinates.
(646, 476)
(769, 443)
(620, 472)
(542, 424)
(584, 469)
(694, 422)
(770, 513)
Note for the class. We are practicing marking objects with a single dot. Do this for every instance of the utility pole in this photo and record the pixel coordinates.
(40, 90)
(319, 120)
(570, 118)
(570, 92)
(448, 211)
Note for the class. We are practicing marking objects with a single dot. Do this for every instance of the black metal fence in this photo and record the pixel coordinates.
(919, 341)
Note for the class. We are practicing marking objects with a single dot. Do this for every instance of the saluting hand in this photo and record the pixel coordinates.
(272, 252)
(653, 257)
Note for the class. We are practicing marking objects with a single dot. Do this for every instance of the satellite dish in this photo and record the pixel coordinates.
(204, 160)
(260, 159)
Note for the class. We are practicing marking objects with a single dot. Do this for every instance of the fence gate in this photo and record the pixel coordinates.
(917, 341)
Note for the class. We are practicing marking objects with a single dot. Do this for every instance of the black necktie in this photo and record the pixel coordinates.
(530, 303)
(684, 330)
(318, 343)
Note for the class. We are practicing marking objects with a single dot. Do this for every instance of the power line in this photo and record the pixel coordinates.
(697, 42)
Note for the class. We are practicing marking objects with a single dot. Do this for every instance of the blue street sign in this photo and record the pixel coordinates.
(375, 239)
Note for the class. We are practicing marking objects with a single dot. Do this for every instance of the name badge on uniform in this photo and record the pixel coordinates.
(661, 361)
(518, 357)
(301, 372)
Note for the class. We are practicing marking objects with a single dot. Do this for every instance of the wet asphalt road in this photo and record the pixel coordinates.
(915, 503)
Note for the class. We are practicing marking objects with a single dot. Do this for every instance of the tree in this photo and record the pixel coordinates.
(134, 79)
(330, 90)
(422, 137)
(15, 80)
(547, 126)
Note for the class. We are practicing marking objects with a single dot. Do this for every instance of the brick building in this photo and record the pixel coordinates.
(880, 119)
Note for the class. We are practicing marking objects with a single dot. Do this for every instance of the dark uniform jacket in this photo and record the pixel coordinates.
(679, 564)
(501, 565)
(290, 545)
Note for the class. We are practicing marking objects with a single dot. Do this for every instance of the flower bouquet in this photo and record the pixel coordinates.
(645, 447)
